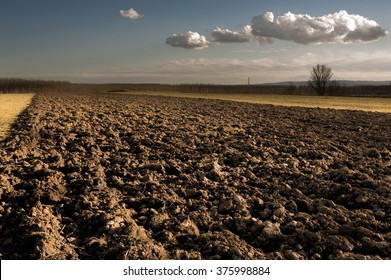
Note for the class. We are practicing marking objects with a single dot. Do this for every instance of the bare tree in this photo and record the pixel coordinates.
(320, 78)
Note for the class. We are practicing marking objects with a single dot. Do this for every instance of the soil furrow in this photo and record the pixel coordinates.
(105, 176)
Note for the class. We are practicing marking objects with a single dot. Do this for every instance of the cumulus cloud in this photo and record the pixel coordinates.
(229, 36)
(130, 14)
(188, 40)
(339, 27)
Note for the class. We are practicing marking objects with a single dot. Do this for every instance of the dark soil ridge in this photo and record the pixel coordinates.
(146, 177)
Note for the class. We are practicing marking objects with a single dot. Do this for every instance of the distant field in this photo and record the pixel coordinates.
(348, 103)
(10, 106)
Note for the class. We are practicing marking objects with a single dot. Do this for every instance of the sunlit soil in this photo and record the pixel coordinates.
(10, 106)
(109, 176)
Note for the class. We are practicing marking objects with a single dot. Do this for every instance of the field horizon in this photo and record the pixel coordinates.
(198, 130)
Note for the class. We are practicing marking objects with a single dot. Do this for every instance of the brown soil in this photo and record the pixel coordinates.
(148, 177)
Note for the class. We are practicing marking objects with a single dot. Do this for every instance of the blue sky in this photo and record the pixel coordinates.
(204, 41)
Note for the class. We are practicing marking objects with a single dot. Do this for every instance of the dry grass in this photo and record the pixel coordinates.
(335, 102)
(10, 106)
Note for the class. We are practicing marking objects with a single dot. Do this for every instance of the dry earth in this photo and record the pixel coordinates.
(148, 177)
(10, 106)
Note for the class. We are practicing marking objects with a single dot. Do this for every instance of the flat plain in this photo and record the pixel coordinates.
(108, 176)
(10, 106)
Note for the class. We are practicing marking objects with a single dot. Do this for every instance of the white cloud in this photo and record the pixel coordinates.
(229, 36)
(339, 27)
(130, 14)
(188, 40)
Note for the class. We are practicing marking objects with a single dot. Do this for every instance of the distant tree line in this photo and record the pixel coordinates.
(8, 85)
(361, 91)
(15, 85)
(334, 88)
(210, 88)
(23, 85)
(320, 82)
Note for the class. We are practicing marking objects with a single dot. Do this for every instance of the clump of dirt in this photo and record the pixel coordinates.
(145, 177)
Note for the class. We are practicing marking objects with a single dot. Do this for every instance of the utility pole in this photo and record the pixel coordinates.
(248, 80)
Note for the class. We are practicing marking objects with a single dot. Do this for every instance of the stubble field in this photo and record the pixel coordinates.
(149, 177)
(10, 107)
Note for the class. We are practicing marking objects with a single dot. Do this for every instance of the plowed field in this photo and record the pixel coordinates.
(149, 177)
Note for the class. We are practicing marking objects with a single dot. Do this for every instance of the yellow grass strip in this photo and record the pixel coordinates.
(336, 102)
(10, 107)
